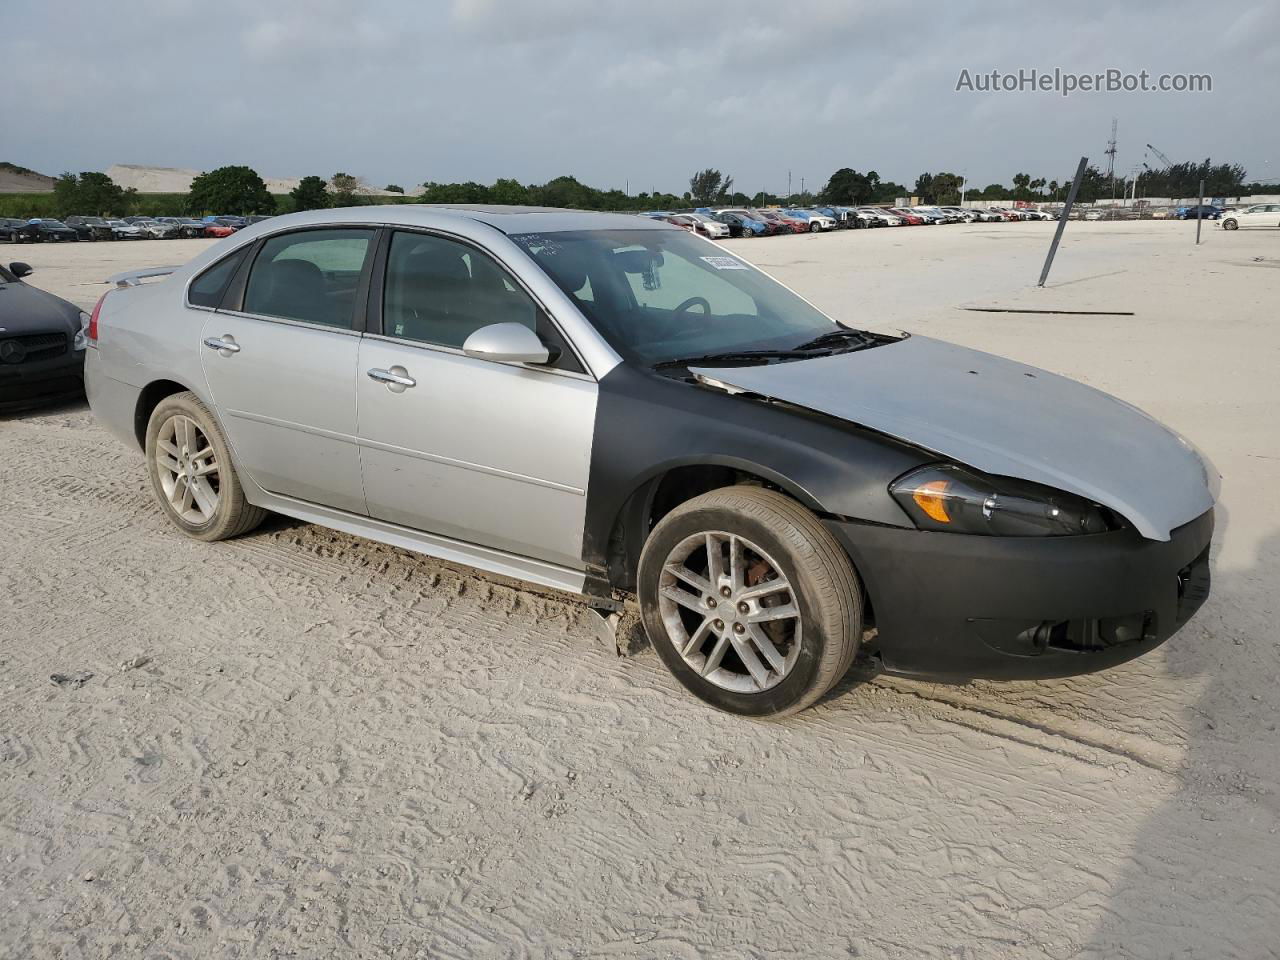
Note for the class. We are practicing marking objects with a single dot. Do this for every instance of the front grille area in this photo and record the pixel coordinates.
(32, 347)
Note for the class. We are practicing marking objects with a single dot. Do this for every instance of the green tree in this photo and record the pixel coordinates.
(310, 194)
(66, 195)
(232, 189)
(99, 194)
(709, 186)
(924, 188)
(847, 187)
(90, 193)
(344, 190)
(511, 192)
(393, 188)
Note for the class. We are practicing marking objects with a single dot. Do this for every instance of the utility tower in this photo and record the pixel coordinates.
(1111, 158)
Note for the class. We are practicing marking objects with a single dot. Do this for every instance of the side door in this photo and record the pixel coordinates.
(481, 451)
(280, 355)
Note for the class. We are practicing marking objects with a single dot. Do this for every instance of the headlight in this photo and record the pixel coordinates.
(82, 335)
(951, 498)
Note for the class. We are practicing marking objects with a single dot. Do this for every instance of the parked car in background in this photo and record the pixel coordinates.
(701, 224)
(760, 476)
(816, 221)
(126, 231)
(156, 230)
(909, 217)
(1257, 215)
(930, 215)
(11, 229)
(1207, 212)
(89, 228)
(48, 231)
(42, 343)
(216, 228)
(188, 227)
(741, 225)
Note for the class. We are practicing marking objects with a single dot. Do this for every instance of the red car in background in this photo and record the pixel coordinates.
(786, 223)
(218, 230)
(913, 219)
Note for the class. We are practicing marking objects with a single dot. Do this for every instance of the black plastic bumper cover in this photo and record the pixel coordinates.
(957, 606)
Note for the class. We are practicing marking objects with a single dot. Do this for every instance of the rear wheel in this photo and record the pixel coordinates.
(750, 602)
(191, 473)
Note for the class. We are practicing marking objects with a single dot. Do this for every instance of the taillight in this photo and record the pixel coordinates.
(92, 331)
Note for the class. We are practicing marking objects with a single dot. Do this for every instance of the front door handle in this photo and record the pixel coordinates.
(225, 345)
(396, 379)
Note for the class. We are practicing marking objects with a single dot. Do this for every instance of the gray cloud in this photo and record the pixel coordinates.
(407, 91)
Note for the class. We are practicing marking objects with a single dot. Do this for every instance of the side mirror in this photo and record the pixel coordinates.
(20, 270)
(507, 342)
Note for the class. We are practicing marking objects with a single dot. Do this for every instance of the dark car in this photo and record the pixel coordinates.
(1206, 212)
(188, 227)
(46, 231)
(90, 228)
(11, 229)
(42, 343)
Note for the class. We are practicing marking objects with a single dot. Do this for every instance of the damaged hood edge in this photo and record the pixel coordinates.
(1003, 418)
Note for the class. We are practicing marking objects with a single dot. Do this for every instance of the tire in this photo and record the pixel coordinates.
(777, 540)
(232, 515)
(814, 228)
(1230, 225)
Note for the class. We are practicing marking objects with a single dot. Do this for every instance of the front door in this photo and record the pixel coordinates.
(490, 453)
(281, 369)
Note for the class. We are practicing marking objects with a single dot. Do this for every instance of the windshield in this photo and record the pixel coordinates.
(659, 295)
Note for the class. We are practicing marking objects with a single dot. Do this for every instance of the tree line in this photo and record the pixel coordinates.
(240, 190)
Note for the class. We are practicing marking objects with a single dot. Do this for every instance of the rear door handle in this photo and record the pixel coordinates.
(225, 345)
(396, 379)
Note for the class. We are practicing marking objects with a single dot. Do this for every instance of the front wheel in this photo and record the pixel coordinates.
(750, 601)
(1230, 225)
(192, 476)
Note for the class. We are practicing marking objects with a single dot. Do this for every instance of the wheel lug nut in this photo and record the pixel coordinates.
(719, 624)
(739, 628)
(725, 591)
(742, 607)
(711, 601)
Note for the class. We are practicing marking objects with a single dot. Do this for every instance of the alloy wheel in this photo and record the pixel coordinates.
(730, 612)
(188, 470)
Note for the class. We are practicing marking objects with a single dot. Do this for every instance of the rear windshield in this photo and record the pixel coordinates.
(658, 295)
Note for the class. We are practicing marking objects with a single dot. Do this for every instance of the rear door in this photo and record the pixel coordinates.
(476, 450)
(280, 360)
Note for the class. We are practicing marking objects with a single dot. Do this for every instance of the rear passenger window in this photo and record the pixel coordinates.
(206, 290)
(311, 276)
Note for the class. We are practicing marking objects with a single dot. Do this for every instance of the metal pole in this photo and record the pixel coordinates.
(1062, 220)
(1199, 212)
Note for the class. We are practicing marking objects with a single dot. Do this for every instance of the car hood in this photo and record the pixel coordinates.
(1003, 418)
(26, 309)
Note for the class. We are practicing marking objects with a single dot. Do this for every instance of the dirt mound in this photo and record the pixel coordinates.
(16, 179)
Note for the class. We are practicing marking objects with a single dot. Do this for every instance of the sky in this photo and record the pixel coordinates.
(633, 95)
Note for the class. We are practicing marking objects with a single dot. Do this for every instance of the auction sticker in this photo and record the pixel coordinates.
(725, 263)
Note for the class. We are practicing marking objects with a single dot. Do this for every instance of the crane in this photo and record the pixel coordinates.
(1161, 157)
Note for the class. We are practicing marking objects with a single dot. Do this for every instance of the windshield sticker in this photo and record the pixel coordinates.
(725, 263)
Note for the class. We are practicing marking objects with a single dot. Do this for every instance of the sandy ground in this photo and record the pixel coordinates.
(304, 744)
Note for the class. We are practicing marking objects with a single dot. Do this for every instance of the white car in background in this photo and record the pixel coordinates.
(1258, 215)
(126, 231)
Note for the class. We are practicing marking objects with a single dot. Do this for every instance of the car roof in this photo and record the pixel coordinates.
(508, 219)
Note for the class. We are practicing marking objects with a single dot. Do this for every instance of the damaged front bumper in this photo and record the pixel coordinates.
(955, 606)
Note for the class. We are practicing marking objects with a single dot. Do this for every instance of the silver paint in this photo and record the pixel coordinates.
(1004, 418)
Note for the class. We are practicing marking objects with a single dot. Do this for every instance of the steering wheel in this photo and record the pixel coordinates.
(693, 302)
